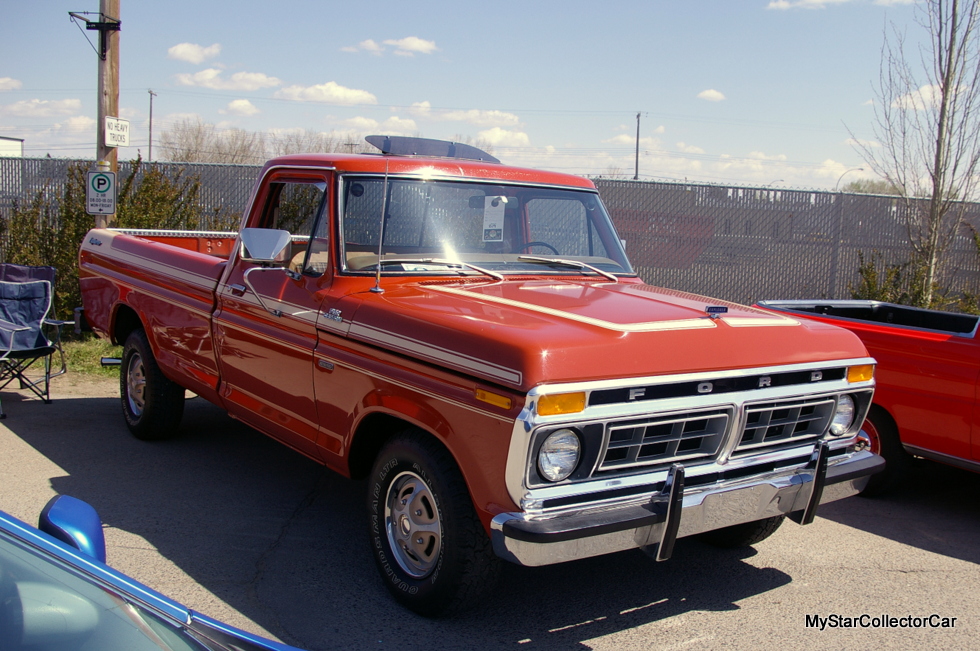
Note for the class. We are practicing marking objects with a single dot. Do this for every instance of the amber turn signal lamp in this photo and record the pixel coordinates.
(861, 373)
(561, 403)
(494, 399)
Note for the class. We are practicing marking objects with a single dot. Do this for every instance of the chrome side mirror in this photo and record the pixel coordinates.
(264, 245)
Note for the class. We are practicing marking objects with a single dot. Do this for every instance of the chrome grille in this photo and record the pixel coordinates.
(665, 439)
(788, 421)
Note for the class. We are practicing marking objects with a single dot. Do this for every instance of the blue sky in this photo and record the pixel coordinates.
(729, 91)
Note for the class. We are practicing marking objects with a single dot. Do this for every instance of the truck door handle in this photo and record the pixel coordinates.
(237, 290)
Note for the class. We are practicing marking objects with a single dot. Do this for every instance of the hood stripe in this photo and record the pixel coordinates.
(651, 326)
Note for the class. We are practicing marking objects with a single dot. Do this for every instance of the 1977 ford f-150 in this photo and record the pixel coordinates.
(472, 339)
(925, 402)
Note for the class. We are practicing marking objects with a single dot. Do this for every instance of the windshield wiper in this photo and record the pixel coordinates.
(568, 263)
(440, 261)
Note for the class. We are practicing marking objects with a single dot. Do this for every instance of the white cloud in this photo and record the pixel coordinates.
(392, 126)
(504, 138)
(476, 117)
(630, 140)
(412, 45)
(857, 142)
(212, 78)
(689, 149)
(42, 108)
(328, 93)
(395, 124)
(818, 4)
(925, 97)
(362, 124)
(405, 47)
(893, 3)
(483, 118)
(240, 107)
(711, 95)
(421, 109)
(193, 53)
(758, 155)
(659, 129)
(370, 45)
(9, 83)
(76, 124)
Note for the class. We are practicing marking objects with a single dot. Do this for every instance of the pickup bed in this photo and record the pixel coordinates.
(472, 339)
(928, 370)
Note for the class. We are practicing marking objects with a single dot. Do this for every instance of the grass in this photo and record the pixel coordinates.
(84, 355)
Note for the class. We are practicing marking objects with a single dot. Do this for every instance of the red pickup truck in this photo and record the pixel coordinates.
(472, 339)
(928, 375)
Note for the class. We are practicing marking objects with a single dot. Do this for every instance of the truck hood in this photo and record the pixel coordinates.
(522, 333)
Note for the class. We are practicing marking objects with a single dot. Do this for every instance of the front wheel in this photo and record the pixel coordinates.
(151, 404)
(743, 535)
(883, 434)
(430, 547)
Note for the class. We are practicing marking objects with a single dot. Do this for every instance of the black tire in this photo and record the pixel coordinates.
(885, 441)
(430, 547)
(151, 404)
(743, 535)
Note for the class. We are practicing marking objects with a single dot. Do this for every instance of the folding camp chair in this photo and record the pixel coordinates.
(25, 299)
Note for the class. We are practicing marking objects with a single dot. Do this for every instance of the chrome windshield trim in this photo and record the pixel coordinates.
(465, 179)
(341, 177)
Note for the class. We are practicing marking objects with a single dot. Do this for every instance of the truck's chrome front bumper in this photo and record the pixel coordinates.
(672, 512)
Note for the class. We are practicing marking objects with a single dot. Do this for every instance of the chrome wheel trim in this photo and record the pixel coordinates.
(135, 385)
(412, 524)
(873, 436)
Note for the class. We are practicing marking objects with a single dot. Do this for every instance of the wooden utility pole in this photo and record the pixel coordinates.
(636, 164)
(108, 76)
(108, 26)
(149, 157)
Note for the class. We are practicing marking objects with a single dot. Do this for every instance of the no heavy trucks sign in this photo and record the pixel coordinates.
(100, 193)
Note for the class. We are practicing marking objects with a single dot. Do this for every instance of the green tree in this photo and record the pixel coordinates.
(49, 230)
(154, 200)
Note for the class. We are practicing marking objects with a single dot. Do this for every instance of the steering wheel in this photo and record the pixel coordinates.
(544, 244)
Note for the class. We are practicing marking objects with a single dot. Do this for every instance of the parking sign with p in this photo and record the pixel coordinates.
(100, 193)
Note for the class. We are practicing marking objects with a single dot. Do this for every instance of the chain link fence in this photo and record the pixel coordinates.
(735, 243)
(224, 189)
(747, 244)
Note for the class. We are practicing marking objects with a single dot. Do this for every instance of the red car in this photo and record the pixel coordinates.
(925, 403)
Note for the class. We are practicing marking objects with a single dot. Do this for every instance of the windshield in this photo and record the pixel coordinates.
(500, 228)
(46, 604)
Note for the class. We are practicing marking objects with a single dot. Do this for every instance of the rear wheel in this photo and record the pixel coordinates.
(743, 535)
(152, 405)
(430, 547)
(883, 433)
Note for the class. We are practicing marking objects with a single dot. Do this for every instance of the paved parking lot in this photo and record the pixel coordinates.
(241, 528)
